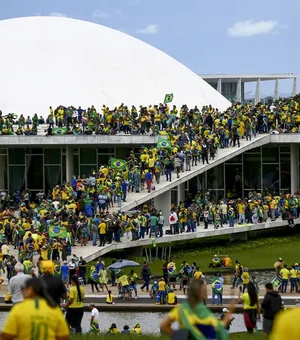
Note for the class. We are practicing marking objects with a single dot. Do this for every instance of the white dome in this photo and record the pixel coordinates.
(60, 61)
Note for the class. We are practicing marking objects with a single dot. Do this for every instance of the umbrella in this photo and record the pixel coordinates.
(123, 263)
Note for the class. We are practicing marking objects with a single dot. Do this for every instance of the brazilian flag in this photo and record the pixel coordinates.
(60, 131)
(163, 143)
(168, 98)
(58, 231)
(118, 164)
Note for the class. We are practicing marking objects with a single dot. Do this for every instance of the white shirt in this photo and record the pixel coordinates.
(95, 314)
(15, 286)
(174, 219)
(56, 204)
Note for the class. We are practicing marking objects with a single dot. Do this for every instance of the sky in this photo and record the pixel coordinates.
(208, 36)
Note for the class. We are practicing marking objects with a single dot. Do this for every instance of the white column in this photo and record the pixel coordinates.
(181, 193)
(276, 91)
(219, 85)
(69, 163)
(239, 91)
(294, 167)
(163, 203)
(257, 92)
(294, 87)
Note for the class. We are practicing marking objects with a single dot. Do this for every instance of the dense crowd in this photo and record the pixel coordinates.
(237, 121)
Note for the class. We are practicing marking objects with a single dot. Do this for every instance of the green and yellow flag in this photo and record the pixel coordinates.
(118, 164)
(163, 143)
(60, 131)
(168, 98)
(58, 231)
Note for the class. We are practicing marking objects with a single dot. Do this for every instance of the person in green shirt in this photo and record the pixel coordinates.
(153, 221)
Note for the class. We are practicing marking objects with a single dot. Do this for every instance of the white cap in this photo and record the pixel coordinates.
(225, 310)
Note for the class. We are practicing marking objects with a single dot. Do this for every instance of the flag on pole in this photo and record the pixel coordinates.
(118, 164)
(168, 98)
(60, 131)
(58, 231)
(163, 143)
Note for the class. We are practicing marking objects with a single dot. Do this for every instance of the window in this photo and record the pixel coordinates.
(88, 156)
(52, 156)
(215, 177)
(34, 172)
(16, 156)
(270, 154)
(3, 172)
(252, 171)
(16, 178)
(271, 177)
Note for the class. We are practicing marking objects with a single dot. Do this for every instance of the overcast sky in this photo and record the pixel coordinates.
(208, 36)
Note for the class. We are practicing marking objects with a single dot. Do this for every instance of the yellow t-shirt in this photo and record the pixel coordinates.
(245, 277)
(171, 298)
(102, 228)
(286, 325)
(74, 295)
(284, 273)
(197, 275)
(293, 274)
(123, 280)
(110, 298)
(39, 322)
(246, 299)
(161, 285)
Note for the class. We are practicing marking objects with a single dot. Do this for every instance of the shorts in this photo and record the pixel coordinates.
(126, 289)
(267, 325)
(133, 286)
(65, 279)
(102, 206)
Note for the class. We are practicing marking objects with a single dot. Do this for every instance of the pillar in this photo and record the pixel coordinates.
(219, 85)
(294, 167)
(257, 92)
(276, 91)
(294, 87)
(163, 202)
(69, 163)
(181, 193)
(239, 91)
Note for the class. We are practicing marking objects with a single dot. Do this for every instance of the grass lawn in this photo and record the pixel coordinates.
(259, 257)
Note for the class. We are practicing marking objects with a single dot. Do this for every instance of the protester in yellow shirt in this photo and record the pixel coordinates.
(37, 317)
(75, 305)
(285, 278)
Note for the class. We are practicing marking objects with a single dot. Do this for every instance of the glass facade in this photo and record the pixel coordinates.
(265, 168)
(38, 169)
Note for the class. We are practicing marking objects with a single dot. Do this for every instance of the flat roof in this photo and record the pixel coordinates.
(247, 77)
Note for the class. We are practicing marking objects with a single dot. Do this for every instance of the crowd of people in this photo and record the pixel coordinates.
(237, 121)
(71, 217)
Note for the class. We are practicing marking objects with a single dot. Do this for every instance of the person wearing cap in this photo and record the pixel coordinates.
(54, 284)
(278, 265)
(227, 327)
(136, 329)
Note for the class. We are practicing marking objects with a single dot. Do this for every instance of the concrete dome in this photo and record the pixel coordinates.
(60, 61)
